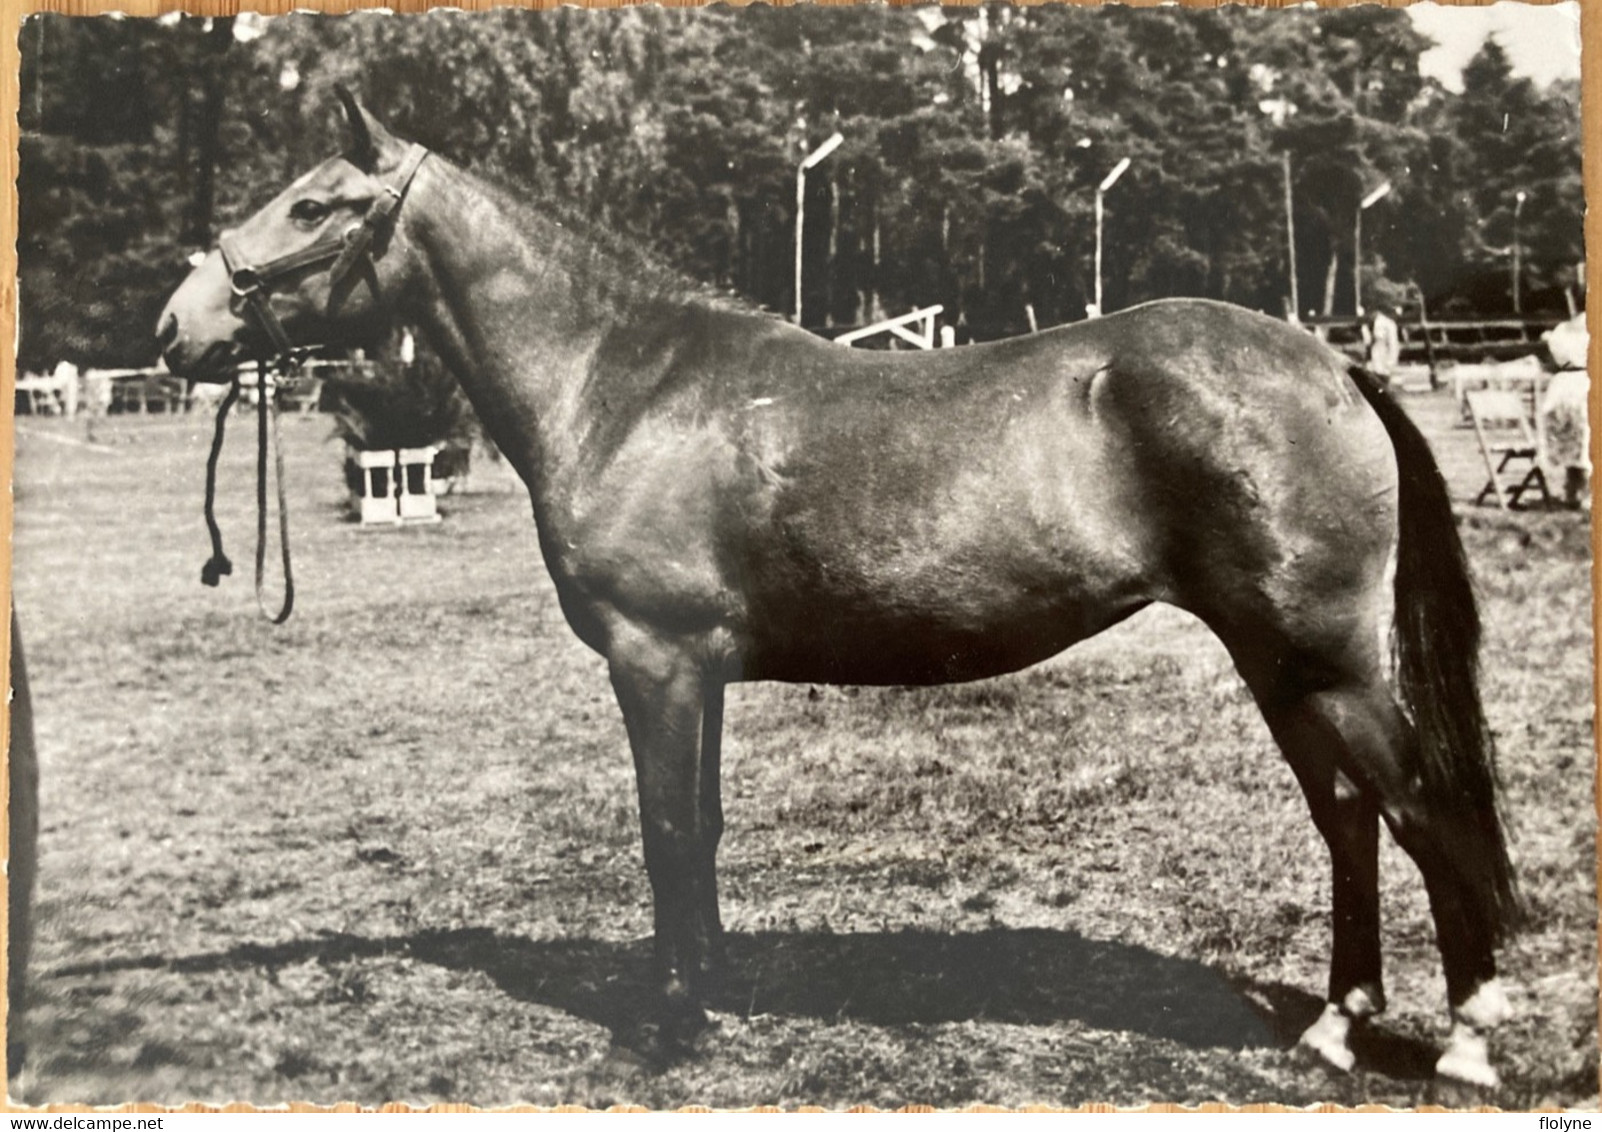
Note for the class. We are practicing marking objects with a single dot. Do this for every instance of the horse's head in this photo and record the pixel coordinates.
(322, 263)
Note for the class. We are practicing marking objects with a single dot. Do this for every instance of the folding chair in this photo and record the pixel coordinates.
(1502, 425)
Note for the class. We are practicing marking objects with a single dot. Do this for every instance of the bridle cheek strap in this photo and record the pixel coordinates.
(359, 240)
(252, 283)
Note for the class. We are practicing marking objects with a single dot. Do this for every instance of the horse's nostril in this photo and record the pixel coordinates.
(166, 331)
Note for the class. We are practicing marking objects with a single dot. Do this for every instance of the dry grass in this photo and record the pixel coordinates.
(389, 851)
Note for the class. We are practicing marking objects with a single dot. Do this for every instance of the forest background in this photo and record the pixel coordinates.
(974, 139)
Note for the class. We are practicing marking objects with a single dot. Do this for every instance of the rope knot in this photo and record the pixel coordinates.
(215, 570)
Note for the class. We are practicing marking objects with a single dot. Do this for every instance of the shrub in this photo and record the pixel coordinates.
(396, 405)
(392, 404)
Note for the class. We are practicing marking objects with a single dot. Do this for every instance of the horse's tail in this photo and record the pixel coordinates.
(1436, 646)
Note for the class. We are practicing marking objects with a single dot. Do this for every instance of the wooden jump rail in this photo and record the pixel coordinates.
(900, 326)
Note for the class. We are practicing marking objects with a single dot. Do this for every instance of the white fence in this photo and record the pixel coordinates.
(154, 389)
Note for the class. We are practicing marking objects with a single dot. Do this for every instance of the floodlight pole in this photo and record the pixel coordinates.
(1518, 207)
(808, 162)
(1290, 238)
(1363, 206)
(1107, 182)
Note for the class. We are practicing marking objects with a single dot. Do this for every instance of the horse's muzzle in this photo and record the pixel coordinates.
(196, 330)
(215, 362)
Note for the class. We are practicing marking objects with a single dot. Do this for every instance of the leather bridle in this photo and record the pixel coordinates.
(252, 283)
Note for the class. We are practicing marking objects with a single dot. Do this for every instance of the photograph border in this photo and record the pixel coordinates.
(15, 11)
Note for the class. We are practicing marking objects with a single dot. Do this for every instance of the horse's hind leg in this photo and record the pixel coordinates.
(1354, 752)
(1447, 844)
(1348, 818)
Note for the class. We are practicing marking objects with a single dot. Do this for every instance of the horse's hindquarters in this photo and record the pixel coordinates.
(1273, 485)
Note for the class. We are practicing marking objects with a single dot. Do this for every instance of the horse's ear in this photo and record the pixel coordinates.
(367, 137)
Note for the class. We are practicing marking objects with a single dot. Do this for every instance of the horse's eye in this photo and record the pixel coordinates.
(309, 211)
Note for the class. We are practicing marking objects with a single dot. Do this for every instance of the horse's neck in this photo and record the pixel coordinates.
(504, 315)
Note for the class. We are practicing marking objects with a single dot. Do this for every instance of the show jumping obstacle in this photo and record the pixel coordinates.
(396, 487)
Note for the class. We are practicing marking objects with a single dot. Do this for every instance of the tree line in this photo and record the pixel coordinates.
(974, 141)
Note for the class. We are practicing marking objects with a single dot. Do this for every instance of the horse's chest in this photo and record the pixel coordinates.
(642, 546)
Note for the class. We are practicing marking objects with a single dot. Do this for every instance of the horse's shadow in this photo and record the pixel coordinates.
(1033, 977)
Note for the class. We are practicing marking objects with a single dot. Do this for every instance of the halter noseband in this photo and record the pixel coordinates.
(252, 282)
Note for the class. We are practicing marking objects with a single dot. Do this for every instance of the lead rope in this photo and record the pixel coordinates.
(219, 566)
(267, 407)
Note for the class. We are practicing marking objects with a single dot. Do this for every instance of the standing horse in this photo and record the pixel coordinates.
(721, 497)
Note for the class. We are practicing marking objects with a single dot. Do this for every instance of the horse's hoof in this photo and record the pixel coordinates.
(623, 1064)
(683, 1019)
(651, 1046)
(1485, 1009)
(710, 981)
(670, 1034)
(1467, 1059)
(1330, 1039)
(1362, 1003)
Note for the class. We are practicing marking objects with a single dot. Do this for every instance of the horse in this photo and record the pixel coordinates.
(720, 496)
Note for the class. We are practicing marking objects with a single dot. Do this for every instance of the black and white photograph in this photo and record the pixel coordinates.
(780, 556)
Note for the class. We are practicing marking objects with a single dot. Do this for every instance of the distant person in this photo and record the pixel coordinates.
(97, 398)
(65, 376)
(1568, 344)
(1384, 343)
(1565, 419)
(1566, 424)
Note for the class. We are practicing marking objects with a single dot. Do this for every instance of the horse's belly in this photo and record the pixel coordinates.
(982, 584)
(968, 636)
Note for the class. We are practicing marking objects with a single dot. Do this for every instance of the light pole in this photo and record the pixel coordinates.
(1363, 206)
(1290, 239)
(1518, 207)
(1107, 182)
(808, 162)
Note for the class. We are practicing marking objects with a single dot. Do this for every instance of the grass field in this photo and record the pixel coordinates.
(389, 851)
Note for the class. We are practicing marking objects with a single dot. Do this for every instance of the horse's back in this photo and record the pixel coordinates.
(1016, 497)
(973, 510)
(1185, 407)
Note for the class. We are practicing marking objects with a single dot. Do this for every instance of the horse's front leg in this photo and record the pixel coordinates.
(663, 692)
(715, 957)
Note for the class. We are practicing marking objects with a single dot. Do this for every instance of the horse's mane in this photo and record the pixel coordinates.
(613, 270)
